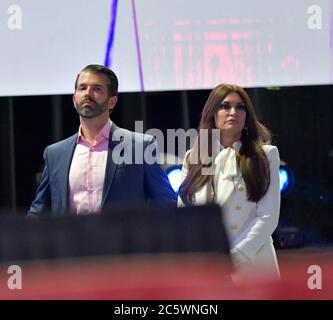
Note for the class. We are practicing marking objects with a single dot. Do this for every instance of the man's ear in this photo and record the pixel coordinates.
(73, 98)
(112, 102)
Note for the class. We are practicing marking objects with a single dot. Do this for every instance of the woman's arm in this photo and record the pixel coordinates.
(267, 215)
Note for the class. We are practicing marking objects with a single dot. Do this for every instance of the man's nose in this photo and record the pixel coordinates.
(88, 92)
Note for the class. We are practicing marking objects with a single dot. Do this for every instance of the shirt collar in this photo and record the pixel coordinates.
(103, 134)
(236, 145)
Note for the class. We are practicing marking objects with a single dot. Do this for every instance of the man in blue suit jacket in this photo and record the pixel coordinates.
(71, 180)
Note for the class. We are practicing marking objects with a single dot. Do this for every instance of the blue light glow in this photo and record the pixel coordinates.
(175, 178)
(284, 179)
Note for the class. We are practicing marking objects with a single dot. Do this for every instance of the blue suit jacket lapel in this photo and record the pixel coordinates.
(111, 165)
(64, 164)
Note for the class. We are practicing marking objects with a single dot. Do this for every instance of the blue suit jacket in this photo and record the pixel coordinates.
(124, 184)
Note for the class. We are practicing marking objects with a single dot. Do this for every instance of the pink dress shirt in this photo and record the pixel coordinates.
(87, 172)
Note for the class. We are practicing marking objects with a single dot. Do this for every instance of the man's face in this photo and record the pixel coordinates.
(91, 98)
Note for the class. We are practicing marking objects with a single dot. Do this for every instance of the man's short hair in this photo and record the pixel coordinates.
(99, 69)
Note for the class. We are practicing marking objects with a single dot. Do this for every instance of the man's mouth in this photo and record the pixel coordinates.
(88, 102)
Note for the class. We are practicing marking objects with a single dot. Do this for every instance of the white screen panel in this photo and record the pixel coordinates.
(165, 45)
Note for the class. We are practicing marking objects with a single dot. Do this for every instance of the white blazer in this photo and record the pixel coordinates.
(249, 225)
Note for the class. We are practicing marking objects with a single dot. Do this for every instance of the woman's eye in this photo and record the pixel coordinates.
(225, 106)
(240, 106)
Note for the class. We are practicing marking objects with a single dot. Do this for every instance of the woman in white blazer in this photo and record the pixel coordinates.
(238, 169)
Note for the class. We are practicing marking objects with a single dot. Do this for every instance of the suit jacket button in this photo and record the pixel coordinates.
(238, 207)
(234, 226)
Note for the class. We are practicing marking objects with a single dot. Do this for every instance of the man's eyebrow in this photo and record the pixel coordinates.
(93, 84)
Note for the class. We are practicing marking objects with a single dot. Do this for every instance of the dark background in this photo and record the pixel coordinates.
(300, 119)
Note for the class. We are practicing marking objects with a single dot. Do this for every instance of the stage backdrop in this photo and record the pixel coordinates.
(164, 44)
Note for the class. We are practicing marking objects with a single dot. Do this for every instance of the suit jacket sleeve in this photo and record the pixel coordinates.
(42, 200)
(156, 182)
(267, 215)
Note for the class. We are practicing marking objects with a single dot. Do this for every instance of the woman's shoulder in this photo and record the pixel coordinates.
(269, 147)
(271, 151)
(186, 160)
(188, 153)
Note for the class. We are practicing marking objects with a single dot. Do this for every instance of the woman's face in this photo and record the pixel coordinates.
(230, 118)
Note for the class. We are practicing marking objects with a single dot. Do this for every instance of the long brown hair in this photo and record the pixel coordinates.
(251, 159)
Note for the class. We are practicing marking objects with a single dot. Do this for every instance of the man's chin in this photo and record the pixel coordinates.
(88, 115)
(89, 112)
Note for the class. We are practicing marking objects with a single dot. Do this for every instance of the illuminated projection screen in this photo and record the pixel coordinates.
(165, 44)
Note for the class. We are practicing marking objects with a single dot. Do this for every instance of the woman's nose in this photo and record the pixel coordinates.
(233, 110)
